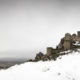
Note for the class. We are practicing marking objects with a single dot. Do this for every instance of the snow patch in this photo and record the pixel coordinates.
(67, 68)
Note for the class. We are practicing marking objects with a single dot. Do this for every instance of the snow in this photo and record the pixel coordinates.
(65, 68)
(68, 51)
(77, 43)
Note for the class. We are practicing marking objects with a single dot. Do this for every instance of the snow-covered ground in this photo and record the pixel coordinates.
(66, 67)
(77, 43)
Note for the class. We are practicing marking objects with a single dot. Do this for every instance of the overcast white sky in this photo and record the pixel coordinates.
(33, 25)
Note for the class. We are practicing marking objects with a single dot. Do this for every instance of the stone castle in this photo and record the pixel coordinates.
(68, 42)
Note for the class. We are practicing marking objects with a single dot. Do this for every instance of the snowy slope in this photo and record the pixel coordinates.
(66, 68)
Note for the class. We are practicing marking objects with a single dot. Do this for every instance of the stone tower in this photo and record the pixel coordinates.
(49, 51)
(67, 41)
(74, 37)
(60, 46)
(78, 33)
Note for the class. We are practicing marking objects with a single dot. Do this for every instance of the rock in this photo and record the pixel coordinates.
(59, 74)
(30, 60)
(39, 56)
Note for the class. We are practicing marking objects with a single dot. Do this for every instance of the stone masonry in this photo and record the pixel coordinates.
(66, 43)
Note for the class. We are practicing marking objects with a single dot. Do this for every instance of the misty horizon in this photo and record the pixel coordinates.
(30, 26)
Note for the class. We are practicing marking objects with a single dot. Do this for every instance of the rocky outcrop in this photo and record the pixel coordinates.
(66, 43)
(39, 56)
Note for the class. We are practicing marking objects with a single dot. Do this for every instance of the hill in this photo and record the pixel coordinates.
(66, 67)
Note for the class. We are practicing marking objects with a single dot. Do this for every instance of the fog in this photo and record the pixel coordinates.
(29, 26)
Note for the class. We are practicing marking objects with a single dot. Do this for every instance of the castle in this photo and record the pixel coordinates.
(68, 42)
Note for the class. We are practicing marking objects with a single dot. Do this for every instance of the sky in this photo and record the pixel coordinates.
(30, 26)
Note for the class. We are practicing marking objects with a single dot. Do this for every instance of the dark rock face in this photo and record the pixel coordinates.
(39, 56)
(66, 43)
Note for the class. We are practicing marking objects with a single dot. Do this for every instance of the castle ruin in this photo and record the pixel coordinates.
(66, 43)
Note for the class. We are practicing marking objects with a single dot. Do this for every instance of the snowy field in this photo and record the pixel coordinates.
(65, 68)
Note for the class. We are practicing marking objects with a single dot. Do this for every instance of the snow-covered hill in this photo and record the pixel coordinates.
(66, 67)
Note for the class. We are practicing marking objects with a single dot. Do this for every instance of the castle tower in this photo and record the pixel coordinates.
(67, 41)
(49, 51)
(78, 33)
(67, 36)
(78, 36)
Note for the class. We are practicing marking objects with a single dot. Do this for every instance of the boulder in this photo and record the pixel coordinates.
(39, 56)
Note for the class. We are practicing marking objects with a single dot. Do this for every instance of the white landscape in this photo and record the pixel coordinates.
(66, 67)
(28, 27)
